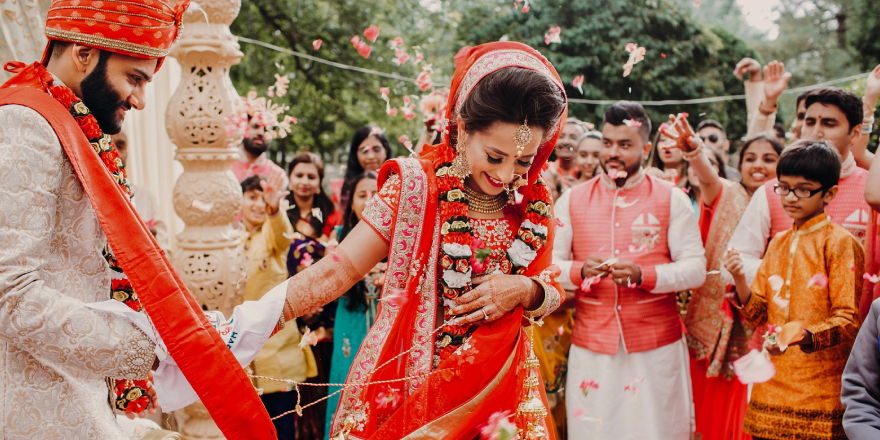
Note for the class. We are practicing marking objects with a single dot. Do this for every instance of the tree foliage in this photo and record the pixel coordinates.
(332, 103)
(685, 59)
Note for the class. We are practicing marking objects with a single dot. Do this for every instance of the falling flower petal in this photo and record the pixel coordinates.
(396, 298)
(397, 42)
(559, 223)
(392, 111)
(578, 83)
(316, 213)
(585, 285)
(317, 44)
(424, 78)
(389, 398)
(755, 367)
(819, 280)
(615, 174)
(662, 55)
(499, 427)
(371, 33)
(308, 338)
(578, 413)
(779, 301)
(403, 139)
(587, 385)
(560, 330)
(632, 123)
(871, 278)
(384, 91)
(776, 283)
(686, 190)
(202, 206)
(852, 268)
(632, 387)
(335, 257)
(553, 36)
(713, 272)
(306, 260)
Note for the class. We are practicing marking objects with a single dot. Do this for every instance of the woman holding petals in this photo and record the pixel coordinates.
(466, 229)
(716, 335)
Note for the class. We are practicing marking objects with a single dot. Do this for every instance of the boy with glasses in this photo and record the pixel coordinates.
(811, 274)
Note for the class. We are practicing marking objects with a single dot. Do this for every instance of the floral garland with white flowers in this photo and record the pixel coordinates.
(456, 238)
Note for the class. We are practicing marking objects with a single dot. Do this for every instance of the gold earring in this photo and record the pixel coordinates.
(460, 167)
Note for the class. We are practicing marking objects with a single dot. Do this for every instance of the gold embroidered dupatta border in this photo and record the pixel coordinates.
(408, 227)
(440, 427)
(709, 327)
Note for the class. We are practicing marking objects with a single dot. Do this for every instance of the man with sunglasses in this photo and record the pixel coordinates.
(713, 135)
(833, 116)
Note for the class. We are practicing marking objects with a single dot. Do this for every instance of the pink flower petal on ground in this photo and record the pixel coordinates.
(317, 44)
(819, 280)
(755, 367)
(309, 338)
(371, 33)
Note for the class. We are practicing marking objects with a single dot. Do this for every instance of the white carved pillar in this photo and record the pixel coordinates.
(207, 195)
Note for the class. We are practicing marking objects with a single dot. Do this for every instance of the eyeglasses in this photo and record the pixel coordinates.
(712, 138)
(801, 193)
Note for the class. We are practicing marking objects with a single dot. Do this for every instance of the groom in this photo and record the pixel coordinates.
(62, 191)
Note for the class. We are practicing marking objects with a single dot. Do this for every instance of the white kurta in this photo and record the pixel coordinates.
(645, 395)
(55, 352)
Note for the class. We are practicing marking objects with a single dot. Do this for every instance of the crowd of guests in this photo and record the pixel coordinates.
(668, 241)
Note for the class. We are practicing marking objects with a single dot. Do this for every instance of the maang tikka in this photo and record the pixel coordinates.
(522, 137)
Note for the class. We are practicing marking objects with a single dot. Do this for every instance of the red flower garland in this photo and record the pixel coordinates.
(455, 229)
(131, 395)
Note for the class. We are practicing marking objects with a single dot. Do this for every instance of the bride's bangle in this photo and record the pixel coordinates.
(549, 299)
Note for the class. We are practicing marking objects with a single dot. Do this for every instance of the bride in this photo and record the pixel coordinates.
(467, 229)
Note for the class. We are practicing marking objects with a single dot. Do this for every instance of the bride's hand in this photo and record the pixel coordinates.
(492, 298)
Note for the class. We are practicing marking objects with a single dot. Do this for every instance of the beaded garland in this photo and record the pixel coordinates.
(130, 395)
(456, 237)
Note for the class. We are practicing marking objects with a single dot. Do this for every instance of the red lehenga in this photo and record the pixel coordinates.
(717, 335)
(453, 384)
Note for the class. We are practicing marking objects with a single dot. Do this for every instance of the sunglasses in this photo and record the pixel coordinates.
(712, 138)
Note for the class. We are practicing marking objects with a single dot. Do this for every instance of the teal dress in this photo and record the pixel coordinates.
(350, 331)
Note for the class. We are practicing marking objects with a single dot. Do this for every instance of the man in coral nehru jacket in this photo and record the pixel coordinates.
(628, 243)
(68, 231)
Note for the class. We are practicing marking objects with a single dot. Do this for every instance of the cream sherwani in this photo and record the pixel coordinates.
(55, 353)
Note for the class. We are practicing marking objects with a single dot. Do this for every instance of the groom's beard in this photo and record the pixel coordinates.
(103, 101)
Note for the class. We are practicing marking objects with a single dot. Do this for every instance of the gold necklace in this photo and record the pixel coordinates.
(484, 203)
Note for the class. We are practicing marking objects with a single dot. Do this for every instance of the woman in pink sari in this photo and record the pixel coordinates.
(467, 229)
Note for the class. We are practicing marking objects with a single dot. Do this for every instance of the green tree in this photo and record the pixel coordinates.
(864, 34)
(684, 58)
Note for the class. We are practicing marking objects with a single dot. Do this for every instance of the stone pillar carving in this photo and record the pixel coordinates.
(207, 195)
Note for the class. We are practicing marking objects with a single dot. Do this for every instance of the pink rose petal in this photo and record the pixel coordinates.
(819, 280)
(371, 33)
(317, 44)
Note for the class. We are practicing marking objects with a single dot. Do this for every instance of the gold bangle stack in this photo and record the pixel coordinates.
(484, 203)
(544, 308)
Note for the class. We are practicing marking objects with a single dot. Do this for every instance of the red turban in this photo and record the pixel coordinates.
(138, 28)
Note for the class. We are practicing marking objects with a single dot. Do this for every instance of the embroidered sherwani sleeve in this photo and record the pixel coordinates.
(562, 245)
(52, 327)
(751, 236)
(844, 261)
(688, 267)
